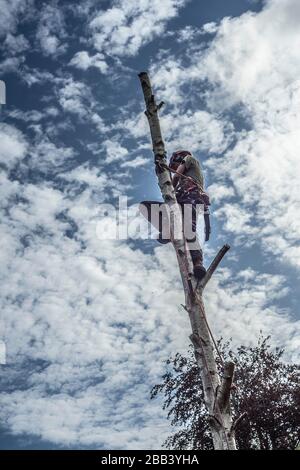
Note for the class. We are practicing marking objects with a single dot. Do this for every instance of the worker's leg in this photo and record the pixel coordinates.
(157, 214)
(190, 215)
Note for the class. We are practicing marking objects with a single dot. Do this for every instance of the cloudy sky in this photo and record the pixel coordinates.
(87, 323)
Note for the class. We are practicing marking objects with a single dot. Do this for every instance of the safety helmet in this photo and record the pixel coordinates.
(178, 156)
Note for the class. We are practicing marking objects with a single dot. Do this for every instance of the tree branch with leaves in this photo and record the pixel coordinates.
(265, 400)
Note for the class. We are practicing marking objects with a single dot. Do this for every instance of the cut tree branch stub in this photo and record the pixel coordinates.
(213, 266)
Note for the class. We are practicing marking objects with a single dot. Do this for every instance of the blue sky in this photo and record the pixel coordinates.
(88, 323)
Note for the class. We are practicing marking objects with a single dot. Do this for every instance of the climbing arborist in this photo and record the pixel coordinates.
(188, 183)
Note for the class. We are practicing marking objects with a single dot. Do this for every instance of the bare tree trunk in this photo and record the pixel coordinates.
(216, 392)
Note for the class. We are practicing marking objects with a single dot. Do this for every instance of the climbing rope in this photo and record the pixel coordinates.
(167, 167)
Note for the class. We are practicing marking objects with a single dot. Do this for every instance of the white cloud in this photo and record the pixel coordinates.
(197, 131)
(100, 316)
(32, 115)
(125, 27)
(71, 305)
(13, 145)
(136, 125)
(16, 44)
(72, 97)
(260, 68)
(219, 192)
(136, 162)
(84, 61)
(32, 76)
(252, 65)
(245, 295)
(51, 30)
(47, 157)
(10, 14)
(75, 97)
(258, 56)
(105, 333)
(11, 64)
(98, 121)
(114, 151)
(186, 34)
(209, 28)
(191, 34)
(90, 176)
(88, 322)
(237, 219)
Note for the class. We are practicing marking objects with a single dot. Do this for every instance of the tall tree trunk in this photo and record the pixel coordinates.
(216, 391)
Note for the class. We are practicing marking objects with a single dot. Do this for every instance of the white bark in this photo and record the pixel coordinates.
(216, 393)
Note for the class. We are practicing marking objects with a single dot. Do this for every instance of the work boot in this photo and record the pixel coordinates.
(199, 271)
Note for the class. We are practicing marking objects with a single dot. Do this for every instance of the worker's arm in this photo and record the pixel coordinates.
(176, 177)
